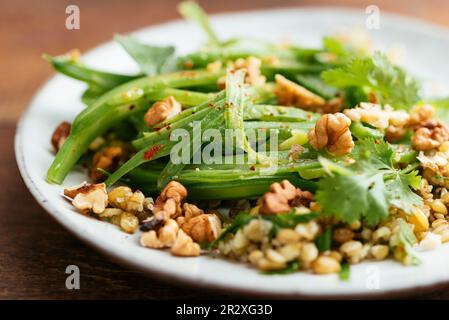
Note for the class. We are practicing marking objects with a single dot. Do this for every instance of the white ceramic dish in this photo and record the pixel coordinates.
(58, 100)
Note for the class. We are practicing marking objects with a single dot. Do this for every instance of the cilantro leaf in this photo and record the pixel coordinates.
(151, 59)
(379, 154)
(402, 196)
(333, 45)
(355, 73)
(367, 188)
(377, 75)
(353, 195)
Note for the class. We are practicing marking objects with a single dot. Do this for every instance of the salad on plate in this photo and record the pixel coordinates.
(283, 157)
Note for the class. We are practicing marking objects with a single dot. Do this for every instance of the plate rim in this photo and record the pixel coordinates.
(177, 279)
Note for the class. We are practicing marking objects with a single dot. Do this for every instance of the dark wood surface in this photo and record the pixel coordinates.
(35, 250)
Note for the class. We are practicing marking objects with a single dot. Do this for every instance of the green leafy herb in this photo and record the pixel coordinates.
(378, 75)
(345, 271)
(151, 59)
(324, 240)
(335, 46)
(291, 267)
(401, 195)
(342, 51)
(368, 187)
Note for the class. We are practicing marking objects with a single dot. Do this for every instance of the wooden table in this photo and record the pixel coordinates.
(35, 249)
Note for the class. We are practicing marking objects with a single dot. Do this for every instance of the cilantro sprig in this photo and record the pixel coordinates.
(376, 75)
(367, 188)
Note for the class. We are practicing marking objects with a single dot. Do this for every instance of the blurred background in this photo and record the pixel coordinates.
(35, 250)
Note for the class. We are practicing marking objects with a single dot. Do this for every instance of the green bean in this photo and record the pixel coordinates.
(192, 11)
(194, 145)
(249, 187)
(255, 95)
(215, 175)
(233, 50)
(277, 113)
(112, 107)
(100, 80)
(361, 131)
(184, 118)
(315, 84)
(164, 145)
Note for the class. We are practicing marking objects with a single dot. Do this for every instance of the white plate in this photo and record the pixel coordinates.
(58, 100)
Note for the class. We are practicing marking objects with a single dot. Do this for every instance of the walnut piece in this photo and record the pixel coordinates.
(203, 228)
(60, 135)
(167, 234)
(106, 159)
(281, 197)
(191, 210)
(168, 204)
(87, 197)
(394, 122)
(184, 246)
(394, 133)
(150, 240)
(430, 136)
(419, 115)
(332, 131)
(374, 115)
(162, 110)
(164, 238)
(251, 65)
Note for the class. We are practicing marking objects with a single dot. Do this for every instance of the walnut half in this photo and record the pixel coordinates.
(332, 131)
